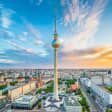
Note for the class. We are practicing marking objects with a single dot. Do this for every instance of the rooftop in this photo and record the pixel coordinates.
(70, 101)
(25, 99)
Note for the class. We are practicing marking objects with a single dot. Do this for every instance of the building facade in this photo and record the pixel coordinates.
(21, 90)
(71, 105)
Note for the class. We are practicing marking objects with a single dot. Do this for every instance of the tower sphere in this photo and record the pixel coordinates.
(55, 43)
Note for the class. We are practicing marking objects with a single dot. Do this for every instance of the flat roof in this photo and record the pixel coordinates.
(25, 99)
(70, 101)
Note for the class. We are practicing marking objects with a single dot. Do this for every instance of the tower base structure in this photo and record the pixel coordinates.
(51, 104)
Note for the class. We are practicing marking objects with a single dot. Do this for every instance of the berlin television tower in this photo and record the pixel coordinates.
(55, 45)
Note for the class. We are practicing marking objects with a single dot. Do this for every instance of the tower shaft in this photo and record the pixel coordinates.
(55, 76)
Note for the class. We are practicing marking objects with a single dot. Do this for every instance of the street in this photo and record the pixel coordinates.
(93, 109)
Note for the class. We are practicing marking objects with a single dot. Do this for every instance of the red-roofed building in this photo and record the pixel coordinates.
(21, 79)
(74, 87)
(33, 79)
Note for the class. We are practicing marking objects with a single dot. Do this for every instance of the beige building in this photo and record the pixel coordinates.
(26, 88)
(33, 86)
(21, 90)
(2, 78)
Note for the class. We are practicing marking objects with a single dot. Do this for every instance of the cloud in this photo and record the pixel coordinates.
(96, 57)
(27, 50)
(21, 38)
(87, 53)
(1, 51)
(43, 53)
(39, 2)
(1, 6)
(61, 40)
(39, 42)
(23, 59)
(6, 34)
(5, 22)
(8, 61)
(83, 20)
(25, 33)
(6, 15)
(36, 2)
(10, 33)
(62, 2)
(33, 31)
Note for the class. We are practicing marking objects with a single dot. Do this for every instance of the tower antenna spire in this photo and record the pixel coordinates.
(55, 19)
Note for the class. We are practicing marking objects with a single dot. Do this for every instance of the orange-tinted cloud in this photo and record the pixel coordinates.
(97, 57)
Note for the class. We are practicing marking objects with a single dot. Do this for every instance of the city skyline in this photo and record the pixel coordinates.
(84, 31)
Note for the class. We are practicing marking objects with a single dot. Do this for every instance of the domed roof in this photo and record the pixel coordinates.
(55, 43)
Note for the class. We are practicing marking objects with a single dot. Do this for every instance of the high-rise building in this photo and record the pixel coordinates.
(54, 102)
(55, 45)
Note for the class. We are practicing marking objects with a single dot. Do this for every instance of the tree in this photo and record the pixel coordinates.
(39, 104)
(27, 77)
(108, 110)
(83, 109)
(9, 73)
(39, 91)
(2, 74)
(13, 83)
(88, 91)
(83, 102)
(78, 92)
(69, 82)
(44, 97)
(59, 81)
(2, 87)
(69, 92)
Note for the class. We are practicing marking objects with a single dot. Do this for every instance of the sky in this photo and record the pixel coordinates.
(84, 30)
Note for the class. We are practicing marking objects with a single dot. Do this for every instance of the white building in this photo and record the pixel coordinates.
(102, 93)
(105, 95)
(66, 76)
(27, 102)
(86, 81)
(71, 105)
